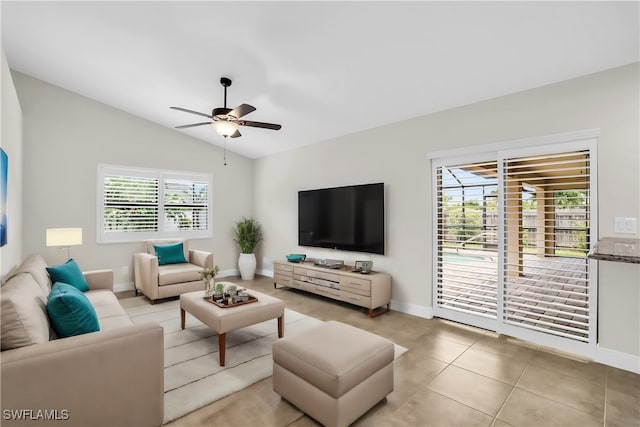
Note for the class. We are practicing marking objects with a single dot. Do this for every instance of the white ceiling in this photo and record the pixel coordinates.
(321, 69)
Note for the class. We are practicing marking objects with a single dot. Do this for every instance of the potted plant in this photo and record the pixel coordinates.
(219, 292)
(208, 275)
(248, 233)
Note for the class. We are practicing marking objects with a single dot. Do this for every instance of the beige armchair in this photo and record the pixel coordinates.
(162, 281)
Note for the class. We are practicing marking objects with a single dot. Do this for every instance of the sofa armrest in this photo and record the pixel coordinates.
(112, 377)
(145, 273)
(201, 258)
(99, 279)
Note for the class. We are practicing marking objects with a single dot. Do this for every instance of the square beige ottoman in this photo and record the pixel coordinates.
(333, 372)
(223, 320)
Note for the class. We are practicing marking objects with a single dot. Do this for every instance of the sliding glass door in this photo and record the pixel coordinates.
(512, 231)
(467, 242)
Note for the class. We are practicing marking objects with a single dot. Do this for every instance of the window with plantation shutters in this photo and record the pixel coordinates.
(136, 204)
(186, 204)
(512, 230)
(130, 204)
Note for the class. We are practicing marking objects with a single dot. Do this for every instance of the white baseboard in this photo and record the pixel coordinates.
(413, 309)
(121, 287)
(228, 273)
(266, 273)
(618, 359)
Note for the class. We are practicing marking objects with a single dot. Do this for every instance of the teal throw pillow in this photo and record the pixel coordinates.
(172, 253)
(69, 273)
(70, 311)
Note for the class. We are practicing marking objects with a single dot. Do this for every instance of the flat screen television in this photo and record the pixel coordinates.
(347, 218)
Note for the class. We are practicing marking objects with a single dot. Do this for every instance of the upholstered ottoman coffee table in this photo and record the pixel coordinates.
(333, 372)
(223, 320)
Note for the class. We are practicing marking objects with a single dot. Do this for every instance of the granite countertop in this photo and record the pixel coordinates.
(616, 249)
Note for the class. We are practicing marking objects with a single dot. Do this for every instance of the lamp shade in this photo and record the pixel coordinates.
(64, 236)
(225, 128)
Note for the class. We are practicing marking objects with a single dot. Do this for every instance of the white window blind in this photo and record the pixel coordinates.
(130, 204)
(185, 204)
(467, 237)
(136, 204)
(547, 217)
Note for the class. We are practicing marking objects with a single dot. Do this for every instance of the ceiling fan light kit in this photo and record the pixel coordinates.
(225, 128)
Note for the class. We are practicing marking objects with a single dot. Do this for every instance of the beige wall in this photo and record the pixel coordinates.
(397, 155)
(11, 143)
(67, 135)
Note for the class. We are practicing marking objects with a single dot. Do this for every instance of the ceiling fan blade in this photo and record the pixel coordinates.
(193, 125)
(260, 125)
(191, 111)
(241, 110)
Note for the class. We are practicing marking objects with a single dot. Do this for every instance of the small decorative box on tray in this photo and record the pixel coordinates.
(232, 301)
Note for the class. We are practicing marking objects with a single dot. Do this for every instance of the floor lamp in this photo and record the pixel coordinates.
(64, 238)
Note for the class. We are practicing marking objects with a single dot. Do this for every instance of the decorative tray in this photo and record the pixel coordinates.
(224, 304)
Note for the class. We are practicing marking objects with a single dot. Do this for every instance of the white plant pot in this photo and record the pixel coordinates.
(247, 266)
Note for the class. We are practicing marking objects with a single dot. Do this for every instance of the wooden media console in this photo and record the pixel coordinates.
(372, 290)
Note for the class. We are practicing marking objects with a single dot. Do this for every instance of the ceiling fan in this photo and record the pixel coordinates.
(226, 121)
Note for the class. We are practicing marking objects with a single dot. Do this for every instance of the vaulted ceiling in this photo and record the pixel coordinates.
(321, 69)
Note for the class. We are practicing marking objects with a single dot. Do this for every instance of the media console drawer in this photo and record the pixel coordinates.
(317, 274)
(361, 300)
(371, 291)
(355, 285)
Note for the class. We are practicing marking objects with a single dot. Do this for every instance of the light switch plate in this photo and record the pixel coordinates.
(625, 225)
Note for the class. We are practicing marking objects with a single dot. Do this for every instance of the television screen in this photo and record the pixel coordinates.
(346, 218)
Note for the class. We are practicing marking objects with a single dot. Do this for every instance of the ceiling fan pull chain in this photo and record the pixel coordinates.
(225, 151)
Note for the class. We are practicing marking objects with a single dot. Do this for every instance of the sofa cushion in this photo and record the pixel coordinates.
(171, 253)
(24, 318)
(37, 267)
(70, 311)
(69, 273)
(178, 273)
(110, 313)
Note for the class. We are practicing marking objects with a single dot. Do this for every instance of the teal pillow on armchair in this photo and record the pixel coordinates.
(171, 253)
(70, 311)
(69, 273)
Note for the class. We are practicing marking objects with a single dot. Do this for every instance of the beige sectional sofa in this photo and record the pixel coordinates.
(113, 377)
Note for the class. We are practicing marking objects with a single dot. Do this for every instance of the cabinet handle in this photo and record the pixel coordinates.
(354, 298)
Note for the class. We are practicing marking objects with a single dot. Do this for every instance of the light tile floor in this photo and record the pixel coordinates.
(452, 375)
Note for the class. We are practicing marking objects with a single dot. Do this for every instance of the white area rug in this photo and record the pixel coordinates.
(193, 376)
